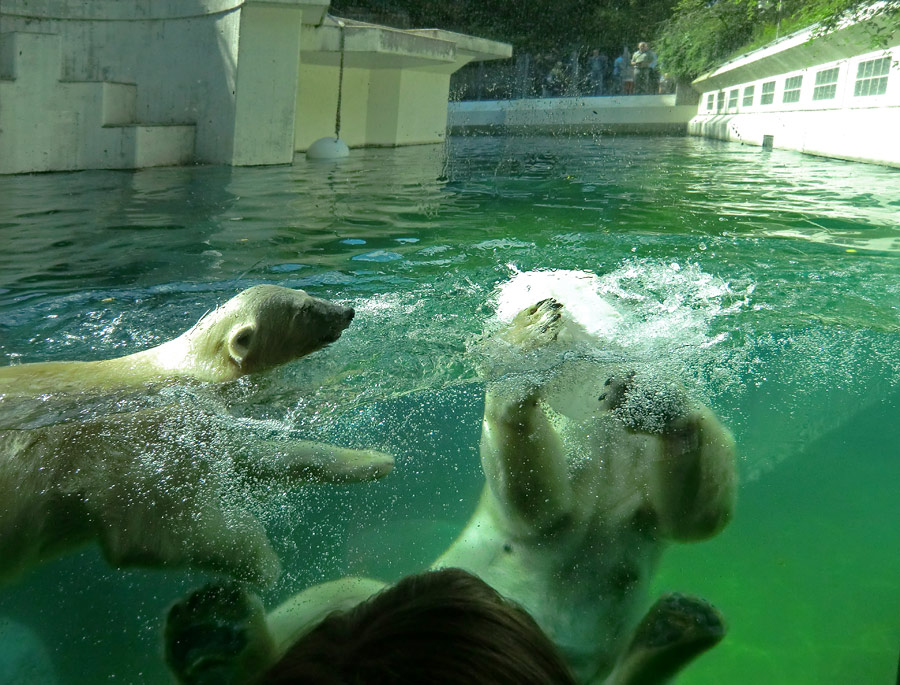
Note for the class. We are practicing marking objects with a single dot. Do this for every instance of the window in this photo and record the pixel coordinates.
(871, 77)
(792, 89)
(826, 84)
(748, 97)
(732, 99)
(768, 93)
(710, 104)
(720, 100)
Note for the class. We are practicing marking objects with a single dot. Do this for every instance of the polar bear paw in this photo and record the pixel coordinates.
(535, 326)
(216, 635)
(644, 406)
(676, 630)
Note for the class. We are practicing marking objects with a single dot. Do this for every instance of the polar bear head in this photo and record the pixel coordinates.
(265, 326)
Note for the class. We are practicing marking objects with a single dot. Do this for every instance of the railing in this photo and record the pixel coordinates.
(528, 76)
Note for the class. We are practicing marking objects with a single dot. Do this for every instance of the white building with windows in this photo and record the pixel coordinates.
(835, 95)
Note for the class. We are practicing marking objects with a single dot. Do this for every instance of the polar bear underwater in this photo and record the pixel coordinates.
(146, 484)
(589, 474)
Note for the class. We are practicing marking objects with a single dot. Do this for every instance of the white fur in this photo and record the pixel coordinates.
(580, 290)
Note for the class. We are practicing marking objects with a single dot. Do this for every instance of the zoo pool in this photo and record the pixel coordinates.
(768, 281)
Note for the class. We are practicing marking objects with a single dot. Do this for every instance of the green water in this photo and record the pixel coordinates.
(767, 281)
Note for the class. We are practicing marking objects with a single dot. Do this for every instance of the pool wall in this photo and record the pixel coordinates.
(127, 84)
(572, 115)
(834, 96)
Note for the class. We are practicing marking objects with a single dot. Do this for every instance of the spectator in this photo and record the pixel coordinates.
(444, 627)
(617, 75)
(644, 63)
(555, 81)
(666, 84)
(597, 64)
(627, 73)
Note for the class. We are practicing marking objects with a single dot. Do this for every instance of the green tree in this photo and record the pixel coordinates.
(701, 34)
(533, 26)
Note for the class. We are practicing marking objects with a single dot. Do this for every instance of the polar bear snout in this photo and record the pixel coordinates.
(346, 314)
(330, 319)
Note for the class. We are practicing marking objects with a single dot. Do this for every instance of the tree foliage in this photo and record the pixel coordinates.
(533, 26)
(690, 36)
(701, 34)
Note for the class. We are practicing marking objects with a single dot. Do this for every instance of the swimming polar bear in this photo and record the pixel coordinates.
(257, 329)
(574, 515)
(156, 486)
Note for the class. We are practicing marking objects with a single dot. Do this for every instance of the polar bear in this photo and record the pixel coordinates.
(587, 479)
(258, 329)
(156, 486)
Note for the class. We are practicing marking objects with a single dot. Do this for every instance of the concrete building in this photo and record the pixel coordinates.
(134, 83)
(835, 96)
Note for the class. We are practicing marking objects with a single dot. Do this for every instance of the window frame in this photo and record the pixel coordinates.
(829, 86)
(867, 81)
(749, 92)
(790, 94)
(733, 98)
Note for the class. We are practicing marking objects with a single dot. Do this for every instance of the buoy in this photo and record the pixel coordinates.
(328, 148)
(333, 148)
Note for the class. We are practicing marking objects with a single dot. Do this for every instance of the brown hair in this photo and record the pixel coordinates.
(440, 627)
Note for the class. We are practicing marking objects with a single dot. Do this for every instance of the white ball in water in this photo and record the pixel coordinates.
(579, 291)
(328, 148)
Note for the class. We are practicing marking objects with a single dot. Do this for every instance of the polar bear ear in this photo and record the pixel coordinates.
(240, 340)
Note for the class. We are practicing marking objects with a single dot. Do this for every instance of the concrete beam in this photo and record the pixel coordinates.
(396, 82)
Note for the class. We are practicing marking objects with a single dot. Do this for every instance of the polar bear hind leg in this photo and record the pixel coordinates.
(675, 631)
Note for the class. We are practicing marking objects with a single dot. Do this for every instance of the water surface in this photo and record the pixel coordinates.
(766, 281)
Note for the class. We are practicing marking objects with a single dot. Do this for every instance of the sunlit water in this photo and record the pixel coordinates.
(766, 281)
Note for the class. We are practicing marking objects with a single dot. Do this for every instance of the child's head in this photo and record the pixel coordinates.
(444, 626)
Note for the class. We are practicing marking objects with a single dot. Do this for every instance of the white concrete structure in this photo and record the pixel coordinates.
(396, 82)
(834, 96)
(618, 114)
(133, 83)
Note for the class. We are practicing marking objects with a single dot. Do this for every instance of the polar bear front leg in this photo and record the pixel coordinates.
(152, 487)
(156, 531)
(292, 462)
(521, 453)
(692, 478)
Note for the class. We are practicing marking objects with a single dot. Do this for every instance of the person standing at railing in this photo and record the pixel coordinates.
(644, 63)
(597, 72)
(623, 74)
